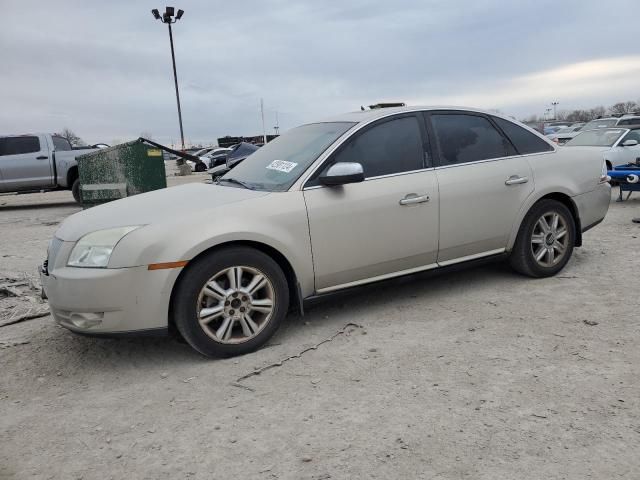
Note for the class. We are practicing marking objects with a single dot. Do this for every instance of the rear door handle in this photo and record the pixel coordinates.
(42, 157)
(413, 198)
(516, 180)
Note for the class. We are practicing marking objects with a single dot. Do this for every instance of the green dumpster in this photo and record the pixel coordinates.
(121, 171)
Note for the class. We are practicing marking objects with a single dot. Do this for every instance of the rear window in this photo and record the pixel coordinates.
(18, 145)
(629, 121)
(524, 141)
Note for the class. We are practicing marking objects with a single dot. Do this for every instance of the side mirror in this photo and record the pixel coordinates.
(342, 173)
(630, 143)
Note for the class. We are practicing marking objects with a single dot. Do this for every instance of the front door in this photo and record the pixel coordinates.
(384, 225)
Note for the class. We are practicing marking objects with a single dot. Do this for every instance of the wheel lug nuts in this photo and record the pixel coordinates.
(227, 303)
(244, 298)
(242, 309)
(231, 312)
(234, 295)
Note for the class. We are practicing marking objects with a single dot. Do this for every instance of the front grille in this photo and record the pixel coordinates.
(54, 249)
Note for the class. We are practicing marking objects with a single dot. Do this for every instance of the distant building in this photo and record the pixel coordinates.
(257, 140)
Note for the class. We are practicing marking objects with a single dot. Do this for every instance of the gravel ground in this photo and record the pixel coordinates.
(477, 373)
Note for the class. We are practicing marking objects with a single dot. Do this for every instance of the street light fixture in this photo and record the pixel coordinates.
(168, 18)
(555, 104)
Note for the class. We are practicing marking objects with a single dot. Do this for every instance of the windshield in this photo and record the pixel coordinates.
(602, 123)
(277, 165)
(605, 137)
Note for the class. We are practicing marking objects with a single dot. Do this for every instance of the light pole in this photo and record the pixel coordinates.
(167, 17)
(554, 109)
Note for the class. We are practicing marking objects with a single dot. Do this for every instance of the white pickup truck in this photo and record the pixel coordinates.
(39, 162)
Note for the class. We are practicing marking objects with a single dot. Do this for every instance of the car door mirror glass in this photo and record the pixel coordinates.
(342, 173)
(630, 143)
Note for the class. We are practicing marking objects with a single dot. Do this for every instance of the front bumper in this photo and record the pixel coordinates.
(109, 301)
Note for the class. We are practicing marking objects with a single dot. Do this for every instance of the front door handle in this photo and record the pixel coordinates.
(413, 198)
(42, 157)
(516, 180)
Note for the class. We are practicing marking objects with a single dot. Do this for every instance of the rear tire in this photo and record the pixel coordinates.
(75, 190)
(545, 241)
(230, 302)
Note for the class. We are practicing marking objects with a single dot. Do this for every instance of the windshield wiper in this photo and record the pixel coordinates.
(237, 182)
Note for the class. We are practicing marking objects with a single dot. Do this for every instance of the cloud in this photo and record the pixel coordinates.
(103, 68)
(607, 79)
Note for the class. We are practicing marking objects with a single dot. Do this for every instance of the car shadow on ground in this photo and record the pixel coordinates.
(171, 351)
(38, 206)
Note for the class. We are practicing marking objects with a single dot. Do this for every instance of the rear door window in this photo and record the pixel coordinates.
(524, 141)
(19, 145)
(464, 138)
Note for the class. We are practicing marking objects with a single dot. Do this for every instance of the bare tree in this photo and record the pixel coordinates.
(623, 107)
(597, 112)
(73, 139)
(579, 116)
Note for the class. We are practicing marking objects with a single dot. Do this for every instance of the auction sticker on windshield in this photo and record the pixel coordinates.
(282, 166)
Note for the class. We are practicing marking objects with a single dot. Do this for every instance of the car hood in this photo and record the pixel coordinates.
(154, 207)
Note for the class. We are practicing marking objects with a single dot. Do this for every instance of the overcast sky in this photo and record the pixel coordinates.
(103, 68)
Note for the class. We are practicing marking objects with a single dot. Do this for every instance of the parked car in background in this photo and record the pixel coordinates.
(628, 120)
(618, 146)
(351, 200)
(564, 134)
(563, 137)
(216, 157)
(549, 130)
(202, 151)
(37, 162)
(232, 158)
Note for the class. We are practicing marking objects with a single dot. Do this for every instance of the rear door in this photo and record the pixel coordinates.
(386, 224)
(25, 163)
(483, 183)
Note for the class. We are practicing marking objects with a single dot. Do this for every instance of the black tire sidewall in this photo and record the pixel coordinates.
(75, 190)
(191, 282)
(546, 206)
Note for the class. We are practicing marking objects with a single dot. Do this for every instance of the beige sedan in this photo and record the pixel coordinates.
(354, 199)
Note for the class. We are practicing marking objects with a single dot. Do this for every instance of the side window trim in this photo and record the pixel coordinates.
(503, 133)
(425, 142)
(436, 143)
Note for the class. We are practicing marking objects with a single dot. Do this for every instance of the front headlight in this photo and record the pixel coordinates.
(95, 248)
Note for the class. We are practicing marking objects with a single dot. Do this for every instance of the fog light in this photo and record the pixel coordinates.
(86, 320)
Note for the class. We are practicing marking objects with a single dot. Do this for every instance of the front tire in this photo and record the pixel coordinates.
(75, 190)
(545, 241)
(230, 302)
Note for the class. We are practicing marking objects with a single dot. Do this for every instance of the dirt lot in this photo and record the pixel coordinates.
(478, 374)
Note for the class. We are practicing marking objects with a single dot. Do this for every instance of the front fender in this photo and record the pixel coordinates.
(278, 221)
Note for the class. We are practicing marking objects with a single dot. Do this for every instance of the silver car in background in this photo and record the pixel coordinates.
(350, 200)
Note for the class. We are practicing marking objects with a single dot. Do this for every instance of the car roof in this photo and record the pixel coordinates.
(365, 116)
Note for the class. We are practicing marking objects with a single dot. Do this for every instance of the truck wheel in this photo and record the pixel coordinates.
(545, 241)
(230, 302)
(75, 190)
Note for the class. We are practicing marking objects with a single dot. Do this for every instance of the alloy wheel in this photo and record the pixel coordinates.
(549, 240)
(235, 304)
